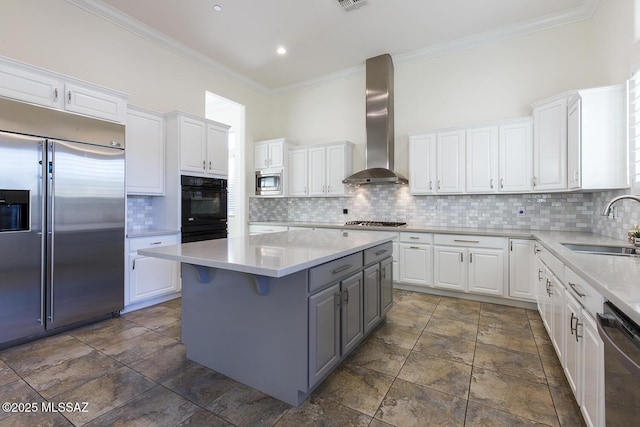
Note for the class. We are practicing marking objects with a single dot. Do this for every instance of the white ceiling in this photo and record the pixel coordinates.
(321, 38)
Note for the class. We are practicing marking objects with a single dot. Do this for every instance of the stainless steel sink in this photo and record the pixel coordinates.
(602, 249)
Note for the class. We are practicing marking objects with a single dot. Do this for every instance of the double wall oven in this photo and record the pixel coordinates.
(204, 208)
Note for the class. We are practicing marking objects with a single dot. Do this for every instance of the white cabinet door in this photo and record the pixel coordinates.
(482, 159)
(217, 151)
(543, 296)
(90, 102)
(450, 269)
(515, 157)
(486, 271)
(415, 264)
(193, 136)
(151, 277)
(261, 156)
(450, 162)
(422, 164)
(144, 153)
(592, 374)
(521, 277)
(574, 345)
(317, 171)
(298, 172)
(336, 159)
(30, 86)
(276, 154)
(550, 146)
(574, 128)
(559, 320)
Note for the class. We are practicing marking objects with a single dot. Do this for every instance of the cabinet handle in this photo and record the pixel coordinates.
(338, 297)
(491, 183)
(383, 273)
(501, 182)
(346, 296)
(380, 252)
(414, 237)
(511, 246)
(572, 329)
(341, 269)
(576, 290)
(69, 97)
(535, 249)
(549, 286)
(155, 243)
(470, 257)
(413, 247)
(461, 257)
(466, 241)
(209, 164)
(328, 189)
(204, 164)
(430, 185)
(439, 185)
(55, 94)
(533, 182)
(134, 265)
(539, 275)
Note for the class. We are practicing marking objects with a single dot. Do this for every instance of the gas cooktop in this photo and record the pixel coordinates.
(376, 223)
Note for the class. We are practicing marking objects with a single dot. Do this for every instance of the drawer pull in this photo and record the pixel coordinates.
(341, 269)
(413, 247)
(414, 238)
(576, 290)
(155, 243)
(380, 252)
(466, 241)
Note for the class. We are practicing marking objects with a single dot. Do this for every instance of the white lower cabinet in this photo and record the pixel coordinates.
(470, 263)
(574, 345)
(592, 373)
(149, 277)
(521, 266)
(416, 258)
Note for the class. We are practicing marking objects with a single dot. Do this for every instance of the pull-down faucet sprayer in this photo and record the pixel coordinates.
(607, 209)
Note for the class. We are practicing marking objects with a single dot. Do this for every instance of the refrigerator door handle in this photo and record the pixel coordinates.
(43, 226)
(51, 219)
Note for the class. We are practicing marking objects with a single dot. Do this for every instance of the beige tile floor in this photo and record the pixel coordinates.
(435, 361)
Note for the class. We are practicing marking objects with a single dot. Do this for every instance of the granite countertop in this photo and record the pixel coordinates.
(273, 254)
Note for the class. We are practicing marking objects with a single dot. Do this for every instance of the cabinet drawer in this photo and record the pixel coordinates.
(416, 237)
(586, 295)
(470, 241)
(555, 265)
(378, 253)
(153, 241)
(333, 271)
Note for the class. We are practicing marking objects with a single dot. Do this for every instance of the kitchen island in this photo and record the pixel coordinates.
(278, 312)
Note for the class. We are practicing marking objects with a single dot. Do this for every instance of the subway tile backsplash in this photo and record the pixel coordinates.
(139, 213)
(549, 212)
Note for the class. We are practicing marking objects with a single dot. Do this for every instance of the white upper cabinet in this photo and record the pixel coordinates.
(145, 152)
(318, 170)
(482, 159)
(596, 139)
(436, 162)
(450, 161)
(270, 154)
(550, 145)
(25, 83)
(202, 142)
(515, 163)
(422, 163)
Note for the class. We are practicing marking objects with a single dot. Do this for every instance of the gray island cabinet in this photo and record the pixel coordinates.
(278, 312)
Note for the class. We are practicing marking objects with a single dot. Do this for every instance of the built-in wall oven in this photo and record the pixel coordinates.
(204, 208)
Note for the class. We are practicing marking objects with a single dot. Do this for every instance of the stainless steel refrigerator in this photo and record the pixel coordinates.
(62, 220)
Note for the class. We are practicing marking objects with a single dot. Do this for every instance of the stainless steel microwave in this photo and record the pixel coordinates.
(269, 183)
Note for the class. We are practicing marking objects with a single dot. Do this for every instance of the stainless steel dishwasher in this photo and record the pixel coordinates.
(621, 337)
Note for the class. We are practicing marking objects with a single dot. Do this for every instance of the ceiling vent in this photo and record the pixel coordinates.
(351, 4)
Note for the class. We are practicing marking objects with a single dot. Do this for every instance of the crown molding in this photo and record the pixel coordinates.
(116, 17)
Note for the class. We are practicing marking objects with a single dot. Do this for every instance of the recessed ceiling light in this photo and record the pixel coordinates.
(217, 7)
(281, 50)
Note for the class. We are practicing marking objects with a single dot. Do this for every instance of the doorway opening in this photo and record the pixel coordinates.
(231, 113)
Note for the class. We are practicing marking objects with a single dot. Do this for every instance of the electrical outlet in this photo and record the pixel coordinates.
(345, 211)
(521, 211)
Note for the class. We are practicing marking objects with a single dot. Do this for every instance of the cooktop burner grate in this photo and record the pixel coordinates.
(376, 223)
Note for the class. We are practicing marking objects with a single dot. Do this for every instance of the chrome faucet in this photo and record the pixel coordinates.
(607, 210)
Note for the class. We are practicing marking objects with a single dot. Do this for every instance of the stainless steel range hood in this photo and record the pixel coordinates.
(379, 121)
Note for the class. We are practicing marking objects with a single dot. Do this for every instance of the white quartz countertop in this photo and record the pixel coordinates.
(273, 254)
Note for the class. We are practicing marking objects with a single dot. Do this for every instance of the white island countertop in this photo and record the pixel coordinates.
(273, 254)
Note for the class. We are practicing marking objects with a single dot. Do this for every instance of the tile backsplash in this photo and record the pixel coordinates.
(139, 213)
(548, 211)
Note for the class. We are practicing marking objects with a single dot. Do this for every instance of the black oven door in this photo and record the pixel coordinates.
(202, 206)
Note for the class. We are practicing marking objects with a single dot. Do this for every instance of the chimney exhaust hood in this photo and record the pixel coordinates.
(379, 121)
